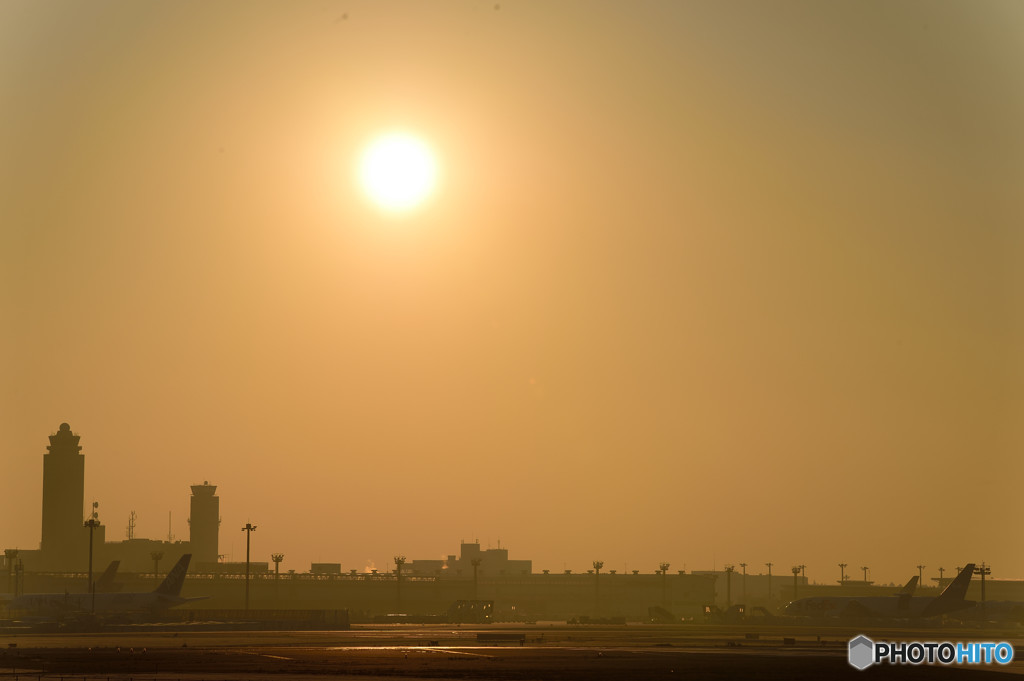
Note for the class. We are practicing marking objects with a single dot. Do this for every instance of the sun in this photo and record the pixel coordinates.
(398, 171)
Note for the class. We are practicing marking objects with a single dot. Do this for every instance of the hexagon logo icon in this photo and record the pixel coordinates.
(862, 652)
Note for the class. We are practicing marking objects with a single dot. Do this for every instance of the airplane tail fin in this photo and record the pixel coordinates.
(171, 586)
(957, 589)
(106, 581)
(952, 597)
(908, 588)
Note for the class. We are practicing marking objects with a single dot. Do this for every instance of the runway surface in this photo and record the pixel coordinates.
(538, 651)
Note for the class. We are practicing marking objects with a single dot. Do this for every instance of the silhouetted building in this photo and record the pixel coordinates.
(136, 555)
(204, 523)
(325, 568)
(64, 543)
(491, 562)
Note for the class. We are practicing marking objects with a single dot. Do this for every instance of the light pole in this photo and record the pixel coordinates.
(248, 529)
(277, 558)
(728, 586)
(476, 566)
(744, 566)
(796, 573)
(156, 556)
(598, 564)
(920, 574)
(941, 570)
(399, 562)
(842, 574)
(92, 524)
(664, 584)
(9, 557)
(983, 570)
(865, 569)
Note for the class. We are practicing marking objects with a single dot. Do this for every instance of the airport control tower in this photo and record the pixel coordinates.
(64, 544)
(204, 523)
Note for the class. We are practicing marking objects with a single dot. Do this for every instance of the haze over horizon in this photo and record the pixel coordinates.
(699, 282)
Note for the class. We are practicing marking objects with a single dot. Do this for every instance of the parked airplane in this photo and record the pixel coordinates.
(901, 605)
(992, 611)
(104, 584)
(165, 596)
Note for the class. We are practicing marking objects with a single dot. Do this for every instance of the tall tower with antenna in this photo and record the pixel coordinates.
(63, 544)
(204, 522)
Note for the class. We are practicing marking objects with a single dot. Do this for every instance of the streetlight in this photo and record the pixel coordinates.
(769, 582)
(744, 566)
(842, 573)
(728, 586)
(865, 569)
(598, 564)
(248, 529)
(796, 573)
(920, 574)
(156, 556)
(92, 523)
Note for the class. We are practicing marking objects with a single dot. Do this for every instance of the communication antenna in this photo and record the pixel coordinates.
(131, 525)
(95, 510)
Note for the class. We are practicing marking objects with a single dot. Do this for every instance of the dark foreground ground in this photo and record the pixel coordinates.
(418, 652)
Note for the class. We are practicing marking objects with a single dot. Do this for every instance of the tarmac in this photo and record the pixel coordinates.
(518, 652)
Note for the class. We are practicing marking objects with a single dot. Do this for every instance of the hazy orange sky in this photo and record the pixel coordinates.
(702, 282)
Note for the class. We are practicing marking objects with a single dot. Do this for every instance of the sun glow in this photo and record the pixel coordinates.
(398, 172)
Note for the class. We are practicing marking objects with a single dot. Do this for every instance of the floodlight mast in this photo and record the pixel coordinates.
(664, 584)
(475, 562)
(92, 523)
(248, 529)
(399, 562)
(983, 570)
(155, 556)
